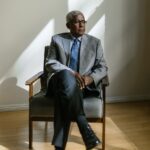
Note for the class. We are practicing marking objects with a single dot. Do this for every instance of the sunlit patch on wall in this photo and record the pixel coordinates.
(31, 60)
(98, 30)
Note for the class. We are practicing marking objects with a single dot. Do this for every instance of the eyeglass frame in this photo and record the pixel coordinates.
(79, 21)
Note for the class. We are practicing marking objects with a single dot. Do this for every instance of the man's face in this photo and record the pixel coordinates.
(77, 26)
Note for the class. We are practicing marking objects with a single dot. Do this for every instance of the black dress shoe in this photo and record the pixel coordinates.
(58, 148)
(89, 138)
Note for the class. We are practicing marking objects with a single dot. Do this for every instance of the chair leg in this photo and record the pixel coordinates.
(103, 135)
(30, 133)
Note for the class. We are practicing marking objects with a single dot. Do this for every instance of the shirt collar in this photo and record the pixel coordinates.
(79, 38)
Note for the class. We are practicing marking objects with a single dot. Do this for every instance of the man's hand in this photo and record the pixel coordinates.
(83, 81)
(80, 80)
(87, 80)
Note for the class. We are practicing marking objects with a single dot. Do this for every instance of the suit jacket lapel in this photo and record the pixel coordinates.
(66, 44)
(83, 52)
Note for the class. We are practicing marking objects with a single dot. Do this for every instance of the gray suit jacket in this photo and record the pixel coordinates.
(91, 61)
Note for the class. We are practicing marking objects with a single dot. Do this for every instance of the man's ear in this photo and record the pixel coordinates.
(68, 25)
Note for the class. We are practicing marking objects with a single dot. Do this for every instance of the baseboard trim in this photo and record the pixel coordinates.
(132, 98)
(116, 99)
(14, 107)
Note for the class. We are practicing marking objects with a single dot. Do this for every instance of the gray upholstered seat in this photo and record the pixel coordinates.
(93, 107)
(40, 105)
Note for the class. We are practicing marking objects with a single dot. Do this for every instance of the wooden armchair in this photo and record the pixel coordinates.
(41, 108)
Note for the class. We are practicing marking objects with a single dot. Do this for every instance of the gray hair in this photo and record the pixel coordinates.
(70, 16)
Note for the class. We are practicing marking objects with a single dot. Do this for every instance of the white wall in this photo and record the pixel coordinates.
(127, 49)
(27, 26)
(126, 43)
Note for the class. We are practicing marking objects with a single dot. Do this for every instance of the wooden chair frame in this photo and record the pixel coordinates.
(42, 77)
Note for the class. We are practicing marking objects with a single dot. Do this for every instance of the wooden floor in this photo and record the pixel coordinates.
(133, 119)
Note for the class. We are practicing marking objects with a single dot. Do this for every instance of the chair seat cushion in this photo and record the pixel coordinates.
(93, 107)
(40, 105)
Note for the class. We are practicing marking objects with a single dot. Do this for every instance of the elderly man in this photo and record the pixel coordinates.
(76, 65)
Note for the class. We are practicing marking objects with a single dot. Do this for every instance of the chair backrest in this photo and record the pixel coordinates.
(45, 75)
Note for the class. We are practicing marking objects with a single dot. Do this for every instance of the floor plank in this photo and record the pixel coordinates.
(132, 120)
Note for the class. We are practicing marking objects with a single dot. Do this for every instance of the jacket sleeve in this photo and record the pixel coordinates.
(99, 70)
(53, 64)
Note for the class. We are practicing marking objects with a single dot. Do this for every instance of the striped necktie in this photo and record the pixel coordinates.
(74, 58)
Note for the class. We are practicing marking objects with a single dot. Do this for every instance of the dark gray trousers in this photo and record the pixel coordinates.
(68, 104)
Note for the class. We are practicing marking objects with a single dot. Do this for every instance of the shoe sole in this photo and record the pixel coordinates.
(94, 146)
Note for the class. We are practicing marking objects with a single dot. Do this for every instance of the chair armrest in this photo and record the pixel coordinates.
(105, 81)
(31, 81)
(34, 78)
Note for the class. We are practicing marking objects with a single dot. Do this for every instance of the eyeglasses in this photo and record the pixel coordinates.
(79, 21)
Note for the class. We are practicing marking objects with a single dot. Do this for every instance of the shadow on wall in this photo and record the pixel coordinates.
(20, 27)
(11, 94)
(26, 43)
(22, 23)
(126, 50)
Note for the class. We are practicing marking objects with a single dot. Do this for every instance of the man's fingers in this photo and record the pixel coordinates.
(80, 80)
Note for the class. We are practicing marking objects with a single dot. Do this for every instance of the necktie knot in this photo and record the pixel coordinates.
(75, 40)
(75, 44)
